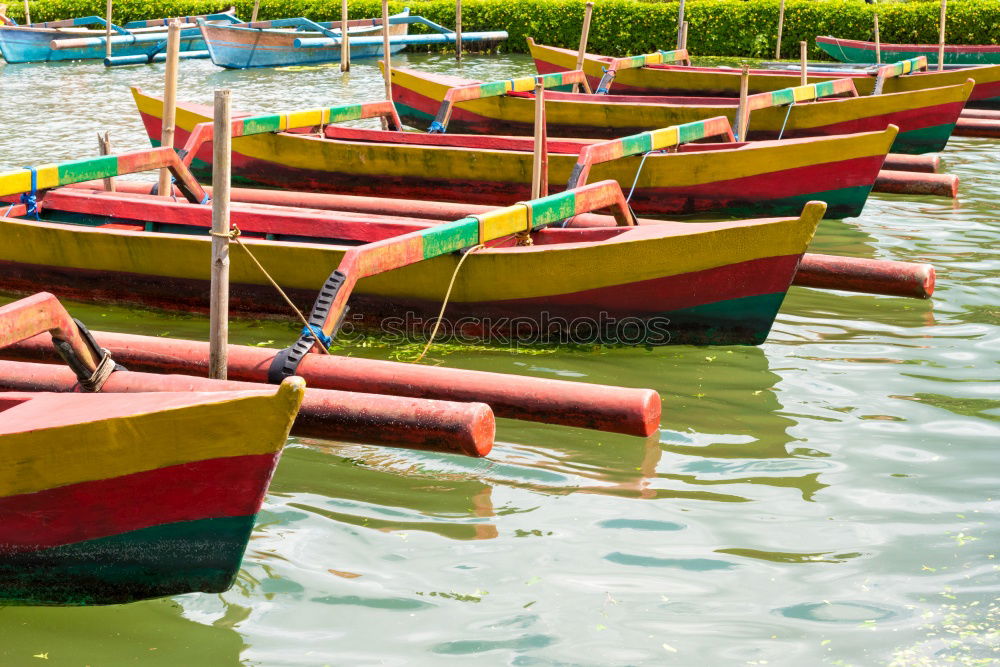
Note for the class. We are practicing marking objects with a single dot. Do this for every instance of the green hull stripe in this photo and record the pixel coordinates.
(925, 140)
(170, 559)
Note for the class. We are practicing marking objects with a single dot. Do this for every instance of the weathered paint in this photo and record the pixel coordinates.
(20, 44)
(701, 81)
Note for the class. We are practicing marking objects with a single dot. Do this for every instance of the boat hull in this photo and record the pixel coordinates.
(33, 45)
(723, 82)
(237, 47)
(856, 51)
(925, 118)
(723, 284)
(773, 178)
(109, 499)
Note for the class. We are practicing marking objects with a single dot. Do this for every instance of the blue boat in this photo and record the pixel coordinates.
(299, 41)
(74, 39)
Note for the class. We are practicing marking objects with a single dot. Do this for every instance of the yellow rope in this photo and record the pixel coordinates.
(444, 304)
(234, 234)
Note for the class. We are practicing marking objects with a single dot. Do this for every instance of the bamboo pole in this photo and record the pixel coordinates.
(458, 30)
(107, 29)
(684, 35)
(878, 39)
(540, 161)
(218, 351)
(170, 100)
(256, 9)
(387, 72)
(803, 57)
(27, 13)
(104, 148)
(781, 26)
(680, 24)
(944, 10)
(345, 41)
(742, 111)
(581, 54)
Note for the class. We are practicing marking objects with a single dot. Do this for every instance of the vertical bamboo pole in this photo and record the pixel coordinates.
(742, 111)
(385, 47)
(104, 148)
(256, 10)
(684, 36)
(345, 41)
(581, 54)
(107, 29)
(170, 100)
(540, 162)
(944, 10)
(458, 30)
(878, 39)
(27, 13)
(680, 24)
(781, 27)
(803, 56)
(221, 181)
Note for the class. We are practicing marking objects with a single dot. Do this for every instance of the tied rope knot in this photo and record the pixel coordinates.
(101, 374)
(232, 234)
(30, 199)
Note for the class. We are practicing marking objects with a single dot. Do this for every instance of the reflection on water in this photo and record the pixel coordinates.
(841, 477)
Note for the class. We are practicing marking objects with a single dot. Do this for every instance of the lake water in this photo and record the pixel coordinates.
(829, 497)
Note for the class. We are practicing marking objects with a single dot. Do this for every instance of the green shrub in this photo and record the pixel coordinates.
(741, 28)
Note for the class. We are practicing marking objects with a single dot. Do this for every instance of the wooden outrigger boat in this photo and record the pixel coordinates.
(302, 42)
(113, 498)
(730, 178)
(73, 39)
(925, 118)
(857, 51)
(673, 77)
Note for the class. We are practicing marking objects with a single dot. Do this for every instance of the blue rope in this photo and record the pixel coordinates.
(435, 128)
(317, 333)
(787, 113)
(30, 199)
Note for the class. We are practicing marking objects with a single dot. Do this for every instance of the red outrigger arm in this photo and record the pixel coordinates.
(645, 142)
(244, 127)
(30, 180)
(476, 91)
(374, 258)
(42, 312)
(897, 69)
(679, 56)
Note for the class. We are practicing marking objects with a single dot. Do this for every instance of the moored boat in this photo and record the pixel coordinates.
(925, 118)
(729, 178)
(113, 498)
(681, 80)
(73, 39)
(857, 51)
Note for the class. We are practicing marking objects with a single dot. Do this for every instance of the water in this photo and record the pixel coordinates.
(827, 498)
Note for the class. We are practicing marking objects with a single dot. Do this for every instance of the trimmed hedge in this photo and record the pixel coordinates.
(738, 28)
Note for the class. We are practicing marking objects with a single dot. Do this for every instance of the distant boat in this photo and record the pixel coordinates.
(855, 51)
(74, 39)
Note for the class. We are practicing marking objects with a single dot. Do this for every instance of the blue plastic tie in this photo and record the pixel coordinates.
(30, 199)
(317, 333)
(435, 128)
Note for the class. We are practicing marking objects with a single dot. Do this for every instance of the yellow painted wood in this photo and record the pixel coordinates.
(503, 221)
(196, 427)
(374, 160)
(306, 118)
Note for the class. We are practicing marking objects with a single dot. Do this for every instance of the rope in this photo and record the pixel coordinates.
(100, 375)
(637, 172)
(317, 333)
(444, 304)
(787, 113)
(30, 199)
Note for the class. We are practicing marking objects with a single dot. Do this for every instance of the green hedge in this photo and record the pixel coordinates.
(740, 28)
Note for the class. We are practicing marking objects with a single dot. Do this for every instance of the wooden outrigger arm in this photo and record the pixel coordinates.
(897, 69)
(679, 56)
(810, 92)
(42, 312)
(477, 91)
(399, 251)
(243, 127)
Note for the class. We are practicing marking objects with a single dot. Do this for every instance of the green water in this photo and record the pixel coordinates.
(829, 497)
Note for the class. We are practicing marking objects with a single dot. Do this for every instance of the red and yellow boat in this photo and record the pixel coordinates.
(112, 498)
(685, 80)
(731, 178)
(925, 118)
